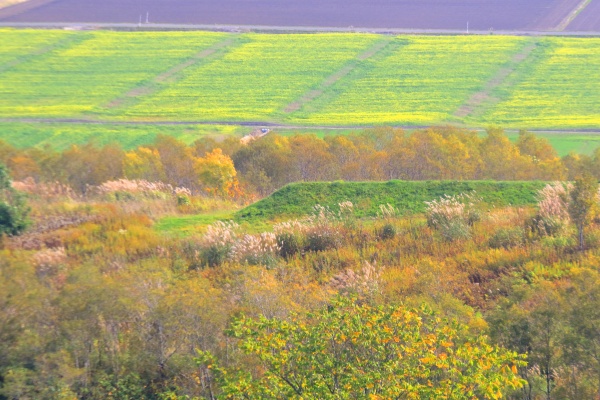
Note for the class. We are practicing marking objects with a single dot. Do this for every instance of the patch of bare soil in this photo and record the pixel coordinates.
(408, 14)
(9, 8)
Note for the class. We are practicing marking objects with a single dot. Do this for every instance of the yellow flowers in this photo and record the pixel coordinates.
(329, 79)
(559, 88)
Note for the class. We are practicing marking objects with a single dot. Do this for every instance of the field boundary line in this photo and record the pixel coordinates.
(572, 15)
(153, 27)
(274, 125)
(153, 85)
(338, 75)
(484, 96)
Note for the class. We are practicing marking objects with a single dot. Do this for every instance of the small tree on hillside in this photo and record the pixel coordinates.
(13, 210)
(583, 203)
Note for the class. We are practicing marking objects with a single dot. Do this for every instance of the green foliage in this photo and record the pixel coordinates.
(387, 231)
(353, 351)
(289, 243)
(583, 203)
(407, 196)
(507, 238)
(13, 209)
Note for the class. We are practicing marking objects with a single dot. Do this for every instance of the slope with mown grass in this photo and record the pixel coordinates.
(407, 196)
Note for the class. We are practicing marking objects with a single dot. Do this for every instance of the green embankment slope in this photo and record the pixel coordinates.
(409, 197)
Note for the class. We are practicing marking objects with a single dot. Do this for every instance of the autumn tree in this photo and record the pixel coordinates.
(144, 163)
(356, 351)
(217, 173)
(265, 164)
(178, 161)
(582, 204)
(89, 165)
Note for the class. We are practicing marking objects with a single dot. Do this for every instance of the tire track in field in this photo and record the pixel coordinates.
(171, 75)
(572, 15)
(338, 75)
(484, 96)
(60, 43)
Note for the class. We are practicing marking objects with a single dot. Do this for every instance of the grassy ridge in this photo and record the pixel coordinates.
(409, 197)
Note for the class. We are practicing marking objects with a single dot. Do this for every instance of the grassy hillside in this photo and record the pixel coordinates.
(308, 79)
(299, 198)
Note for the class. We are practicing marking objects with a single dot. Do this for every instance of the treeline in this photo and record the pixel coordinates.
(230, 168)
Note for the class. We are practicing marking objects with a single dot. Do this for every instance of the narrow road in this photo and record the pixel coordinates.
(279, 29)
(262, 124)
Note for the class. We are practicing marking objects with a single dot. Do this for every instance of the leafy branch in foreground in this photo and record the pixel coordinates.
(13, 209)
(349, 350)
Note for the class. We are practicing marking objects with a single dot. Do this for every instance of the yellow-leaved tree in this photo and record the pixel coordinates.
(349, 350)
(217, 174)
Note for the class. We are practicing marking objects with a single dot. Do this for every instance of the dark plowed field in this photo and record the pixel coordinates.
(588, 20)
(409, 14)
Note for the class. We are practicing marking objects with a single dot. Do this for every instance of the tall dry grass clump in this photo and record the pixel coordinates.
(321, 230)
(552, 217)
(48, 262)
(453, 216)
(260, 249)
(365, 281)
(45, 191)
(122, 187)
(218, 242)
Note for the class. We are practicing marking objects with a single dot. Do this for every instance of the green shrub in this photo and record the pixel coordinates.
(507, 238)
(183, 200)
(388, 231)
(321, 241)
(289, 244)
(455, 230)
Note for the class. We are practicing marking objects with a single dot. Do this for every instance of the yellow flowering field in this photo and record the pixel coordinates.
(256, 79)
(15, 44)
(95, 69)
(303, 79)
(422, 81)
(559, 88)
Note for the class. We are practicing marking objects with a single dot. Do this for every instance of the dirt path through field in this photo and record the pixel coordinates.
(336, 76)
(484, 96)
(171, 75)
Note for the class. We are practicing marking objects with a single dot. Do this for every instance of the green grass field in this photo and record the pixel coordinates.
(61, 135)
(320, 79)
(408, 197)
